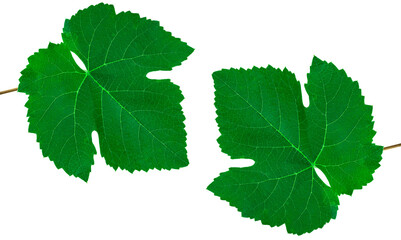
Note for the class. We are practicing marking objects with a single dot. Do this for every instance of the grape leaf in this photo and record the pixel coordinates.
(139, 121)
(261, 117)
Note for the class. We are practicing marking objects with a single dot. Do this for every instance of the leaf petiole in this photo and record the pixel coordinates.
(8, 91)
(392, 146)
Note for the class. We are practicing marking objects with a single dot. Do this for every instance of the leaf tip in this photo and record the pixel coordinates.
(316, 60)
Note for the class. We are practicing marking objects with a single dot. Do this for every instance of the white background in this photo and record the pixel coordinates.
(37, 201)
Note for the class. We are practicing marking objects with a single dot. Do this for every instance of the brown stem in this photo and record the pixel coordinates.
(8, 91)
(392, 146)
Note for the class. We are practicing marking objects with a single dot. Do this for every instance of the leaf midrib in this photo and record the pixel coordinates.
(122, 107)
(264, 118)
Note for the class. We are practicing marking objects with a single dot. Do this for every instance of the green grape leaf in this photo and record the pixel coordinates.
(139, 121)
(261, 117)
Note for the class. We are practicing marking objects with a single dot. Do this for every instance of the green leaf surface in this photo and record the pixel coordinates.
(139, 121)
(261, 117)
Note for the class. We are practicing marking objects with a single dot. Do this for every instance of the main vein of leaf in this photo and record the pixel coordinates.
(122, 107)
(264, 118)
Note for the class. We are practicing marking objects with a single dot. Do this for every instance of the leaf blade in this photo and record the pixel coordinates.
(139, 121)
(299, 148)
